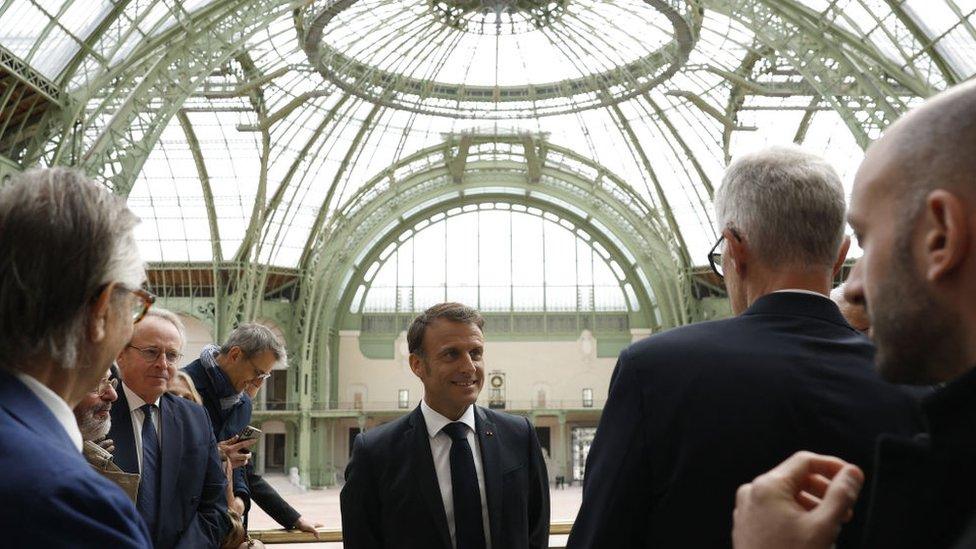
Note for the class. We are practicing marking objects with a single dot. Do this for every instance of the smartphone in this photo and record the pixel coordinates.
(248, 433)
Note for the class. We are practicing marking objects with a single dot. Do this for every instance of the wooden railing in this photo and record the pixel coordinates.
(335, 536)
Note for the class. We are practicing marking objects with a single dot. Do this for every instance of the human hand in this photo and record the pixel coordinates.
(237, 505)
(238, 451)
(801, 503)
(305, 526)
(108, 444)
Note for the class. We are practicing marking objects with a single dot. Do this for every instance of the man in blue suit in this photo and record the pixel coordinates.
(168, 441)
(694, 412)
(69, 293)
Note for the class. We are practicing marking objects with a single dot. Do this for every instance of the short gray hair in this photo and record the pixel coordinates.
(788, 203)
(253, 338)
(169, 316)
(62, 238)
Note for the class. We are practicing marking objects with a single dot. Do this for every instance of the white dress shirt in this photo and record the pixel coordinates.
(136, 402)
(58, 407)
(440, 449)
(800, 291)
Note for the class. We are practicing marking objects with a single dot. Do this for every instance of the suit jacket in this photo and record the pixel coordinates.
(225, 423)
(697, 411)
(391, 498)
(192, 505)
(270, 501)
(52, 497)
(924, 489)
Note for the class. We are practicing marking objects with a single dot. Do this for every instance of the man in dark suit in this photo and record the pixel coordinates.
(69, 279)
(696, 411)
(168, 441)
(913, 210)
(223, 375)
(450, 474)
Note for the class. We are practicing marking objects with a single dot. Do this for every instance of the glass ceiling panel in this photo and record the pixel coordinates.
(670, 143)
(48, 33)
(496, 260)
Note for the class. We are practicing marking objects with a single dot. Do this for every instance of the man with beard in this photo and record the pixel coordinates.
(69, 294)
(94, 422)
(913, 211)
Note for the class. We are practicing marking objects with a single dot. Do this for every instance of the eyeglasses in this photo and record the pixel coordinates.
(151, 354)
(104, 384)
(715, 258)
(144, 300)
(259, 375)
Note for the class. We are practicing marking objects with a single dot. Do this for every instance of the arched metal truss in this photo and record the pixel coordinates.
(139, 68)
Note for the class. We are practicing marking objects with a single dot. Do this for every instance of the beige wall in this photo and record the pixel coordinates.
(562, 368)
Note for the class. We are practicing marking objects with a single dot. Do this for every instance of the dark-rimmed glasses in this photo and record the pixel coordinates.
(715, 258)
(151, 354)
(141, 306)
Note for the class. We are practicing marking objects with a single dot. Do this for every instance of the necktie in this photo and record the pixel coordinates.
(469, 531)
(147, 502)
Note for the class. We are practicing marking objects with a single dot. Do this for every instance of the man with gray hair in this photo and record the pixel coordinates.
(70, 278)
(222, 376)
(167, 440)
(696, 411)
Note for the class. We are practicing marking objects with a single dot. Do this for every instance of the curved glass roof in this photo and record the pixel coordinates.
(314, 103)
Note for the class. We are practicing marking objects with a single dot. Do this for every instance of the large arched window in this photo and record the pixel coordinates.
(497, 257)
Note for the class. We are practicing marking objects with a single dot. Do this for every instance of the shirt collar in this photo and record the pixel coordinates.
(435, 421)
(135, 401)
(57, 405)
(800, 291)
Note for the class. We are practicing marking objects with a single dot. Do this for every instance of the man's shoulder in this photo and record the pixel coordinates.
(389, 433)
(503, 420)
(702, 335)
(186, 410)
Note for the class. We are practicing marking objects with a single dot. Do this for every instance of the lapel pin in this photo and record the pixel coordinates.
(489, 433)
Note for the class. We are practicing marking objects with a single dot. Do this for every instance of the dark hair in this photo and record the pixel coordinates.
(454, 312)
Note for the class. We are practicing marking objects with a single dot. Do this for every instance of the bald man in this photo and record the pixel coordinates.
(913, 211)
(854, 313)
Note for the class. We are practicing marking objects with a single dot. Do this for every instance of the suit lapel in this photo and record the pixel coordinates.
(23, 405)
(121, 434)
(491, 462)
(171, 440)
(426, 475)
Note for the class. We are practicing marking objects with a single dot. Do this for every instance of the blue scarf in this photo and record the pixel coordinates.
(225, 391)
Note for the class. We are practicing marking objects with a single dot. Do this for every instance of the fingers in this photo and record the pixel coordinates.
(800, 465)
(841, 495)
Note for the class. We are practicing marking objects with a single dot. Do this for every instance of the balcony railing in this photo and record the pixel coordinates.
(334, 535)
(394, 406)
(519, 405)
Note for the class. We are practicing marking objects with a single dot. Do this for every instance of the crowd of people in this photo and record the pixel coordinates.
(757, 431)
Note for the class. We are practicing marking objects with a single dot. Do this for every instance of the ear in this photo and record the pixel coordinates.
(946, 234)
(737, 250)
(98, 314)
(417, 366)
(845, 246)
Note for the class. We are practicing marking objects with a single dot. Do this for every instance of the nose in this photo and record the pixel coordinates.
(467, 364)
(854, 287)
(110, 395)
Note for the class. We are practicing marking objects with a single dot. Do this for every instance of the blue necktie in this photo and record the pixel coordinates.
(469, 530)
(147, 502)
